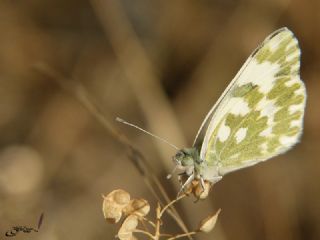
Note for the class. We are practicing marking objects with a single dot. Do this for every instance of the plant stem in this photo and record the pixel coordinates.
(145, 233)
(171, 203)
(158, 212)
(148, 221)
(182, 235)
(165, 235)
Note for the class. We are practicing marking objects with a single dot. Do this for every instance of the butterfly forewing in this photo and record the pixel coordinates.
(260, 114)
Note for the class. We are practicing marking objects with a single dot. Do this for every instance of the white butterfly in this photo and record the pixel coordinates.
(258, 116)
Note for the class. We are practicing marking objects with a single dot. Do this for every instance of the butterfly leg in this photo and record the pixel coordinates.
(202, 183)
(186, 183)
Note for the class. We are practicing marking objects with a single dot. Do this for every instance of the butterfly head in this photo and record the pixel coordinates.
(186, 159)
(183, 158)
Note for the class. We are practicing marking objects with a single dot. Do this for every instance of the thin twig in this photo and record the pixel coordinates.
(171, 203)
(158, 222)
(145, 233)
(148, 221)
(182, 235)
(165, 235)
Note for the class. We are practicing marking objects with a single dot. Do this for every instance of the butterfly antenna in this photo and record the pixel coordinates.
(155, 136)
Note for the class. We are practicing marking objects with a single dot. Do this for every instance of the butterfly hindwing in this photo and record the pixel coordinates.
(260, 114)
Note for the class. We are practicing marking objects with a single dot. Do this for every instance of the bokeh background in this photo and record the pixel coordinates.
(161, 65)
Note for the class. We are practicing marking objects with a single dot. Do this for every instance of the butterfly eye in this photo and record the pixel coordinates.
(179, 155)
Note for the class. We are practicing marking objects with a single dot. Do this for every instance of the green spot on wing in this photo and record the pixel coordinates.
(273, 144)
(279, 53)
(240, 91)
(254, 97)
(263, 54)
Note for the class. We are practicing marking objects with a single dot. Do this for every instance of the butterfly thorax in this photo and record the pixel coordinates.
(188, 159)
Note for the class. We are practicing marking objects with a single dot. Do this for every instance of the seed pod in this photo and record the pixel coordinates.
(139, 207)
(113, 204)
(127, 227)
(202, 192)
(207, 224)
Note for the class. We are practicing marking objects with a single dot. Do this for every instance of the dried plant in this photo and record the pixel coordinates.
(118, 206)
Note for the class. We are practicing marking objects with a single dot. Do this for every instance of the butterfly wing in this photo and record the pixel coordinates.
(260, 114)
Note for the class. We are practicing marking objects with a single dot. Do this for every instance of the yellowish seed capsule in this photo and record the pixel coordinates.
(202, 192)
(207, 224)
(127, 227)
(139, 207)
(113, 204)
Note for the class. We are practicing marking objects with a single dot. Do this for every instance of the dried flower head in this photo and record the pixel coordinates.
(201, 192)
(207, 224)
(113, 204)
(118, 202)
(196, 188)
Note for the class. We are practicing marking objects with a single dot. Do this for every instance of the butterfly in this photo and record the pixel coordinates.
(259, 115)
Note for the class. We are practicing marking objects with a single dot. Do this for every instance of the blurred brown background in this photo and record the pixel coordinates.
(161, 65)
